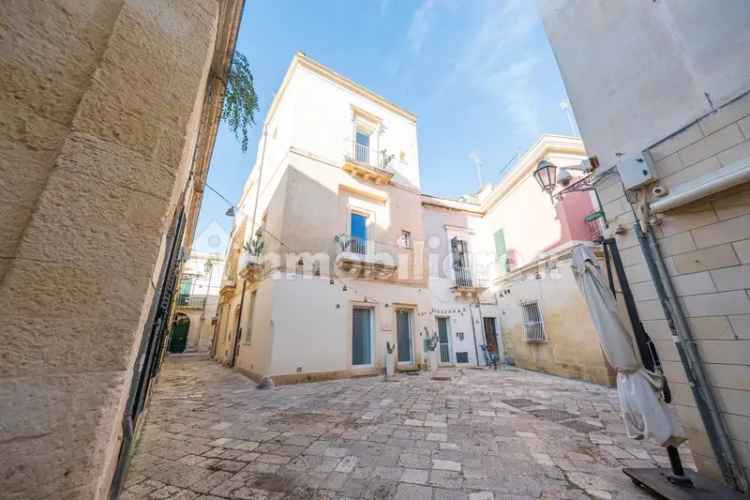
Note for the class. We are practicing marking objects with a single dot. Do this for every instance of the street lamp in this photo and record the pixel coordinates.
(546, 176)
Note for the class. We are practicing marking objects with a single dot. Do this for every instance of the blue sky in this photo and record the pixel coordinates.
(479, 74)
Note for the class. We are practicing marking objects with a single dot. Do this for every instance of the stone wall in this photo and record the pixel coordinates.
(665, 77)
(706, 245)
(99, 111)
(571, 347)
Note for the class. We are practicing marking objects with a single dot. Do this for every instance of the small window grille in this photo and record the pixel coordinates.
(462, 357)
(533, 323)
(405, 241)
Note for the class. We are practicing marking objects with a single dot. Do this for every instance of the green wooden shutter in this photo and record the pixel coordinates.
(500, 250)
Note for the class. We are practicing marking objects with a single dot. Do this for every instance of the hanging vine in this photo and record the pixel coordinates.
(240, 99)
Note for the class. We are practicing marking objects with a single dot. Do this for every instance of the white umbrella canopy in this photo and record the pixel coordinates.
(643, 409)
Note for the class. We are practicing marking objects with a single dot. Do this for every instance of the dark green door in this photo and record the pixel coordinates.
(403, 335)
(445, 347)
(178, 341)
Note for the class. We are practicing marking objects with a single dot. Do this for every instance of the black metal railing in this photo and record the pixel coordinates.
(463, 278)
(354, 245)
(361, 153)
(191, 301)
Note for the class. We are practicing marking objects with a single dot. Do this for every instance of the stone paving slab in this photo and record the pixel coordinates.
(482, 435)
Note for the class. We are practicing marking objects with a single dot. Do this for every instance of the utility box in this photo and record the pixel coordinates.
(635, 170)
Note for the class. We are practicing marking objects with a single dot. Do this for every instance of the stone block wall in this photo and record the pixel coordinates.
(706, 245)
(99, 106)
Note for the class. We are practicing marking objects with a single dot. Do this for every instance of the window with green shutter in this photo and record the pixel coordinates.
(500, 251)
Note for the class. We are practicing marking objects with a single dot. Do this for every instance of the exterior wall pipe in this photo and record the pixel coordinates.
(474, 333)
(690, 358)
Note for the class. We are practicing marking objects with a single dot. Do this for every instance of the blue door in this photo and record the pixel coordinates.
(359, 233)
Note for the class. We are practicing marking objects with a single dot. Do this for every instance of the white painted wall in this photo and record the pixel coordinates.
(676, 52)
(324, 126)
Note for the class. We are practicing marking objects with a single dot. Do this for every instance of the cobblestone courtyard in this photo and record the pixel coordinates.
(481, 435)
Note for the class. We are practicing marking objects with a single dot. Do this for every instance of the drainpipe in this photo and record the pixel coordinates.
(260, 177)
(474, 333)
(238, 328)
(481, 327)
(690, 358)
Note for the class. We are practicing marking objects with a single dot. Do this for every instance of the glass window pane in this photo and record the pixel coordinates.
(361, 337)
(404, 336)
(363, 139)
(359, 226)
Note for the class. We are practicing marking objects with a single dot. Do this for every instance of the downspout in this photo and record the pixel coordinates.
(474, 334)
(690, 357)
(238, 328)
(260, 178)
(481, 328)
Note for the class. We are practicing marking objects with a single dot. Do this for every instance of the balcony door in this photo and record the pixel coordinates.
(404, 341)
(460, 254)
(358, 235)
(362, 147)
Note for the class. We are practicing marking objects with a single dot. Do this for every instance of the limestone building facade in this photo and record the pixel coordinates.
(108, 111)
(336, 255)
(675, 98)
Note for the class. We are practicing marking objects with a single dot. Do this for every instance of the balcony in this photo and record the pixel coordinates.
(367, 165)
(467, 283)
(187, 301)
(251, 267)
(366, 258)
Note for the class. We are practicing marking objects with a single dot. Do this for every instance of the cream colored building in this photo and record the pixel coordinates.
(519, 246)
(342, 270)
(343, 255)
(676, 97)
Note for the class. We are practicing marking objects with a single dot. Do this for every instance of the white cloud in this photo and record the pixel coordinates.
(497, 60)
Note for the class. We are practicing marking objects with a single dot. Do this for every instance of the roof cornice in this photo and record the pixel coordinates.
(301, 60)
(545, 145)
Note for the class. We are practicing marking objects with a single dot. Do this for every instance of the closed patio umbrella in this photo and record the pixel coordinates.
(643, 409)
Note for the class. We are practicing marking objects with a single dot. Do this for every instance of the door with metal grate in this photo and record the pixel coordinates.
(444, 339)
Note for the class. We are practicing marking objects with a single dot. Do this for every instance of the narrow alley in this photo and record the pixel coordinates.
(481, 434)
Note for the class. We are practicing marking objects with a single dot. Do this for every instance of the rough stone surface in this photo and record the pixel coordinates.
(312, 440)
(99, 102)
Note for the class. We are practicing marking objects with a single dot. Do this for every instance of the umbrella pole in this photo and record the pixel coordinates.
(649, 360)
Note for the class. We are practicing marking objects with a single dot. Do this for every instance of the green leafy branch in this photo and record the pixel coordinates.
(240, 99)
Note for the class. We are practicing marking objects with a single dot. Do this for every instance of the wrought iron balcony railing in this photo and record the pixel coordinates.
(361, 153)
(463, 278)
(191, 301)
(377, 258)
(466, 280)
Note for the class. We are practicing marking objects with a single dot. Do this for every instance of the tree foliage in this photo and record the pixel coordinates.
(240, 100)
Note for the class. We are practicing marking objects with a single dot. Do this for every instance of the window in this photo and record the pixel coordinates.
(501, 251)
(533, 323)
(361, 336)
(358, 233)
(405, 241)
(462, 357)
(460, 252)
(362, 147)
